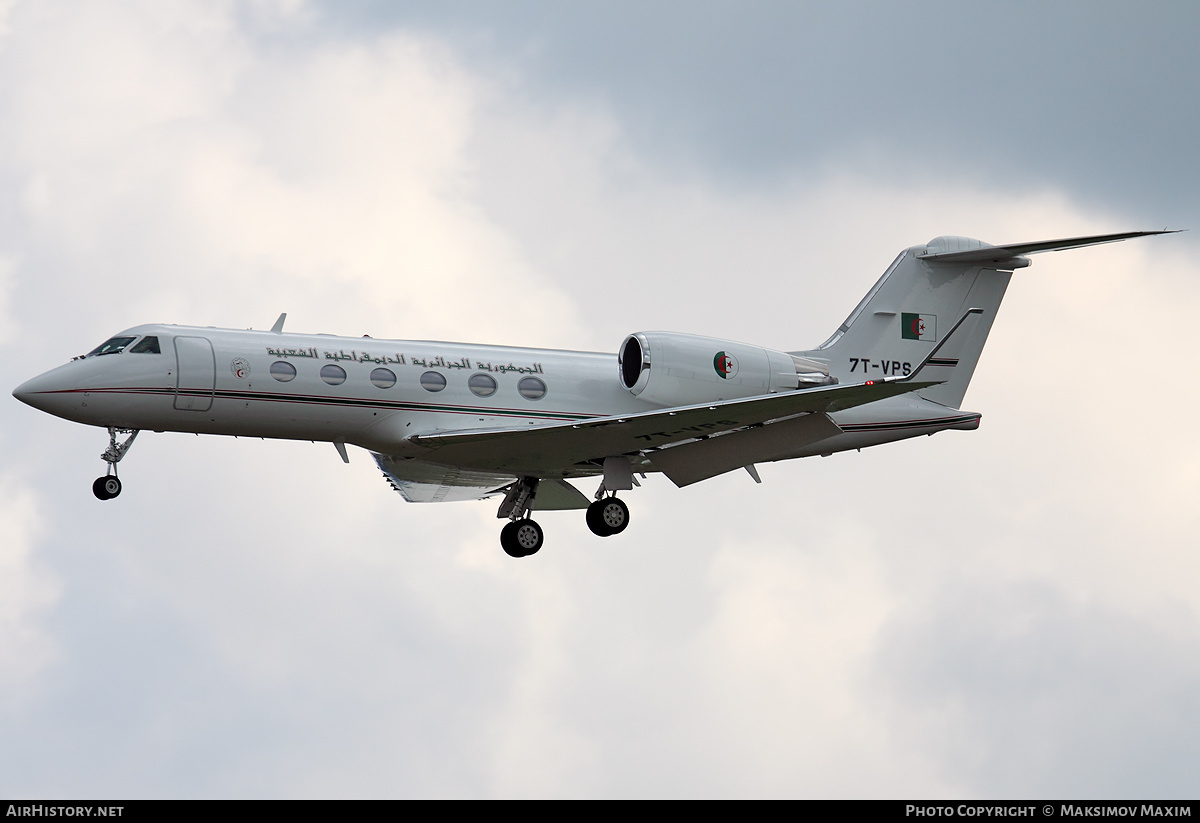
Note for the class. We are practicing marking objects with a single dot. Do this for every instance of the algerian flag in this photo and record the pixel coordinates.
(918, 326)
(726, 365)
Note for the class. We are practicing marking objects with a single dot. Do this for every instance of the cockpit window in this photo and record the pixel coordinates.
(147, 345)
(112, 346)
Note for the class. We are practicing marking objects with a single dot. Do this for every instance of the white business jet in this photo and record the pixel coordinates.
(455, 421)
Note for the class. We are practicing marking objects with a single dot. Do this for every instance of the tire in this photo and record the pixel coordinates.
(508, 540)
(106, 488)
(614, 514)
(595, 519)
(528, 536)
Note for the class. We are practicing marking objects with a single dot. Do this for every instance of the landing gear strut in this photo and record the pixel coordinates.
(608, 515)
(109, 486)
(522, 536)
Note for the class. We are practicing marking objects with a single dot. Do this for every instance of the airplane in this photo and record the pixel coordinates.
(453, 421)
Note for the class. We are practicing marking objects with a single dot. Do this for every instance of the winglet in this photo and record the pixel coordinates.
(278, 327)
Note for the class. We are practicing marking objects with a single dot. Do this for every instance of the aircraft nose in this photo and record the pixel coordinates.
(26, 392)
(41, 392)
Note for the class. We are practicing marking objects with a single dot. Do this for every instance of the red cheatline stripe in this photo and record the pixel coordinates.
(323, 400)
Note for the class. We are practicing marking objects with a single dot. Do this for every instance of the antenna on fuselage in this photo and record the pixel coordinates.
(278, 327)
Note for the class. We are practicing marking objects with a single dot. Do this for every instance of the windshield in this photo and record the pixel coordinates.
(147, 345)
(111, 346)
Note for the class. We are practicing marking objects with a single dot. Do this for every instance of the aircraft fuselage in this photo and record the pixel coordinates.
(378, 393)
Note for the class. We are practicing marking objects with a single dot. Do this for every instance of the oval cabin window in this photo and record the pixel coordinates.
(483, 385)
(333, 375)
(383, 378)
(432, 381)
(531, 388)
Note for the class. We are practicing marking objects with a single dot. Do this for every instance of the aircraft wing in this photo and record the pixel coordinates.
(549, 450)
(421, 482)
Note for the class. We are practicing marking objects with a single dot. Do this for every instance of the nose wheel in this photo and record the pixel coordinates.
(109, 486)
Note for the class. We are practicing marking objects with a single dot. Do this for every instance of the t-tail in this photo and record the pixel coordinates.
(924, 295)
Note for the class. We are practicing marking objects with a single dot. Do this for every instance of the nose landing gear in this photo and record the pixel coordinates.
(109, 486)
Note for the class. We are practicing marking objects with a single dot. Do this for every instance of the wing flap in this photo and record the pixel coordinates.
(547, 450)
(692, 462)
(421, 482)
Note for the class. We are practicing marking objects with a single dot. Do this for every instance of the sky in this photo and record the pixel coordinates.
(1006, 613)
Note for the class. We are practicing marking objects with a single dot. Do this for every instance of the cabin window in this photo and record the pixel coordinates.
(111, 346)
(147, 345)
(333, 375)
(383, 378)
(432, 381)
(531, 388)
(283, 372)
(483, 385)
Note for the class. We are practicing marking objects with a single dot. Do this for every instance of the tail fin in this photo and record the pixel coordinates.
(939, 365)
(920, 297)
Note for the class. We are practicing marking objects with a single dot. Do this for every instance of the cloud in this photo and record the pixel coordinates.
(28, 591)
(992, 670)
(332, 175)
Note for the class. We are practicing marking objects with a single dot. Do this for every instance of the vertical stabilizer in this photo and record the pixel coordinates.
(919, 299)
(912, 307)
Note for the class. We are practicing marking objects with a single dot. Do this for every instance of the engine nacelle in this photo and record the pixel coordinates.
(672, 369)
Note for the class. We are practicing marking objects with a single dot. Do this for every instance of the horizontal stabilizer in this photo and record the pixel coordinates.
(1000, 254)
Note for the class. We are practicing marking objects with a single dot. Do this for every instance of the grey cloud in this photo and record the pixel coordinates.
(1090, 97)
(1022, 689)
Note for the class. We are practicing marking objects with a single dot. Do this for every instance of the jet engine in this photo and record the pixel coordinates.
(671, 369)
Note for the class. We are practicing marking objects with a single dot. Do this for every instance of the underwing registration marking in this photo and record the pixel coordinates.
(698, 430)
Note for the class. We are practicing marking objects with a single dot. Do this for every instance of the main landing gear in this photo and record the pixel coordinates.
(522, 536)
(109, 486)
(607, 515)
